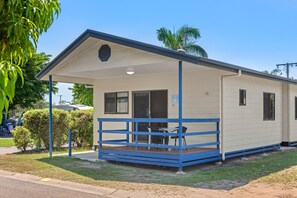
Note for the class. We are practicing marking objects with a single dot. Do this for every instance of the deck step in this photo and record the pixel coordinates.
(160, 159)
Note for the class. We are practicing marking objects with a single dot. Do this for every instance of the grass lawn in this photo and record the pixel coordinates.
(232, 174)
(6, 142)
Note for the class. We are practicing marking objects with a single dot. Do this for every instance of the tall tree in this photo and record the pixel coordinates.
(32, 90)
(21, 24)
(82, 95)
(184, 38)
(276, 72)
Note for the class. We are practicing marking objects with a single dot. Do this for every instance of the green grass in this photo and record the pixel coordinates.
(6, 142)
(230, 175)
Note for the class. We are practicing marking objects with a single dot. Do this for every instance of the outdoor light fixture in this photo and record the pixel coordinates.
(181, 51)
(130, 72)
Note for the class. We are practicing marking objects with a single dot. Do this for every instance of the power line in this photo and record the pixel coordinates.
(287, 67)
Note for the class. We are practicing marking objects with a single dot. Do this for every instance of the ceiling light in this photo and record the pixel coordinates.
(130, 71)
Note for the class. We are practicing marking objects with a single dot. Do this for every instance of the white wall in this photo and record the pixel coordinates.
(285, 114)
(201, 98)
(243, 126)
(292, 121)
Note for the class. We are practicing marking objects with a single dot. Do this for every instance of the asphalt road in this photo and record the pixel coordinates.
(13, 188)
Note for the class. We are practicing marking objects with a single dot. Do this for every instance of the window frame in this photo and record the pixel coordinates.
(273, 115)
(116, 102)
(244, 99)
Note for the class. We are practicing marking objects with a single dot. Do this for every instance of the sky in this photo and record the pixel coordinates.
(257, 34)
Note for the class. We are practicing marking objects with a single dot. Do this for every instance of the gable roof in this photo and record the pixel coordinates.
(157, 50)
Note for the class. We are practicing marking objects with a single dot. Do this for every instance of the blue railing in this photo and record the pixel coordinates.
(136, 144)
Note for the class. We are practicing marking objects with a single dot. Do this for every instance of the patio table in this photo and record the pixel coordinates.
(164, 130)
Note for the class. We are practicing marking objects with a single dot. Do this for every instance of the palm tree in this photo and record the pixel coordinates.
(184, 38)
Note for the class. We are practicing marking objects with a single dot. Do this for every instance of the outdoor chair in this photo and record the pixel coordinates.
(184, 130)
(156, 139)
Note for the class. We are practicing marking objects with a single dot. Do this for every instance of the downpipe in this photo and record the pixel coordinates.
(238, 74)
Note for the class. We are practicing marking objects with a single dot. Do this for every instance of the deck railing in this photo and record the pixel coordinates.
(136, 144)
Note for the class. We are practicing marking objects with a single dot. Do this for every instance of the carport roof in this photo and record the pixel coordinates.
(157, 50)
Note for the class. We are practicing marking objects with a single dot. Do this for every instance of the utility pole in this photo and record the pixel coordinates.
(60, 99)
(287, 67)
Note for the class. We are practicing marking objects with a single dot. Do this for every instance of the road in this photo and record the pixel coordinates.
(13, 188)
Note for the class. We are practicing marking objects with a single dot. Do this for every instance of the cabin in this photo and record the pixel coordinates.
(162, 107)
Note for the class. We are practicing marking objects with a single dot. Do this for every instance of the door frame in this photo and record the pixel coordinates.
(149, 92)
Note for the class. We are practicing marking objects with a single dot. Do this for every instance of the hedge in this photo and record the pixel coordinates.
(80, 121)
(82, 127)
(37, 121)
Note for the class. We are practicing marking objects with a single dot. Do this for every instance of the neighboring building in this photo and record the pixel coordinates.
(228, 110)
(70, 107)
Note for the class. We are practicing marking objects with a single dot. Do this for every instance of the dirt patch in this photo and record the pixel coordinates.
(287, 177)
(221, 184)
(259, 190)
(263, 190)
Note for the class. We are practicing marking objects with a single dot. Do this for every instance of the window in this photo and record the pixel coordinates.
(116, 103)
(295, 108)
(242, 97)
(269, 106)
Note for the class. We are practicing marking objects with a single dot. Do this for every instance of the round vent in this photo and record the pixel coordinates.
(104, 53)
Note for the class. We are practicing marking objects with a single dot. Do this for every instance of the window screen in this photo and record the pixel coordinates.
(269, 106)
(242, 97)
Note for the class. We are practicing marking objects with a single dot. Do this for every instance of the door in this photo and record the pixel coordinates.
(158, 107)
(141, 109)
(150, 104)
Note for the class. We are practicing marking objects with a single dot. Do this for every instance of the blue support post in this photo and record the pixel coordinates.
(136, 135)
(127, 128)
(50, 83)
(180, 113)
(70, 143)
(100, 139)
(218, 134)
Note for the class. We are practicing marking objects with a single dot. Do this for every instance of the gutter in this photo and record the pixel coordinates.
(238, 74)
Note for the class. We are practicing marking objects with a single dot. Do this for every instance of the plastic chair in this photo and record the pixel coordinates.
(184, 130)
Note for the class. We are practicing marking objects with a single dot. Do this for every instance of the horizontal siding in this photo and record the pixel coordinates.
(201, 98)
(292, 120)
(243, 126)
(286, 112)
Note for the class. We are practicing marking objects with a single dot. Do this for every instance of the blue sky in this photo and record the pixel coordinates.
(254, 33)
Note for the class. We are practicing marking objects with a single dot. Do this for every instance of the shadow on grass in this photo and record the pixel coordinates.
(232, 173)
(62, 150)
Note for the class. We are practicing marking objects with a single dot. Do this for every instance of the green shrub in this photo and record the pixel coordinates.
(22, 138)
(82, 127)
(33, 120)
(37, 121)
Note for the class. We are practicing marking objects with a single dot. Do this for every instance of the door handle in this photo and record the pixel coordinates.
(148, 113)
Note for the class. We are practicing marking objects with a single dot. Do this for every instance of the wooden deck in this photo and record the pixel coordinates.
(122, 150)
(159, 150)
